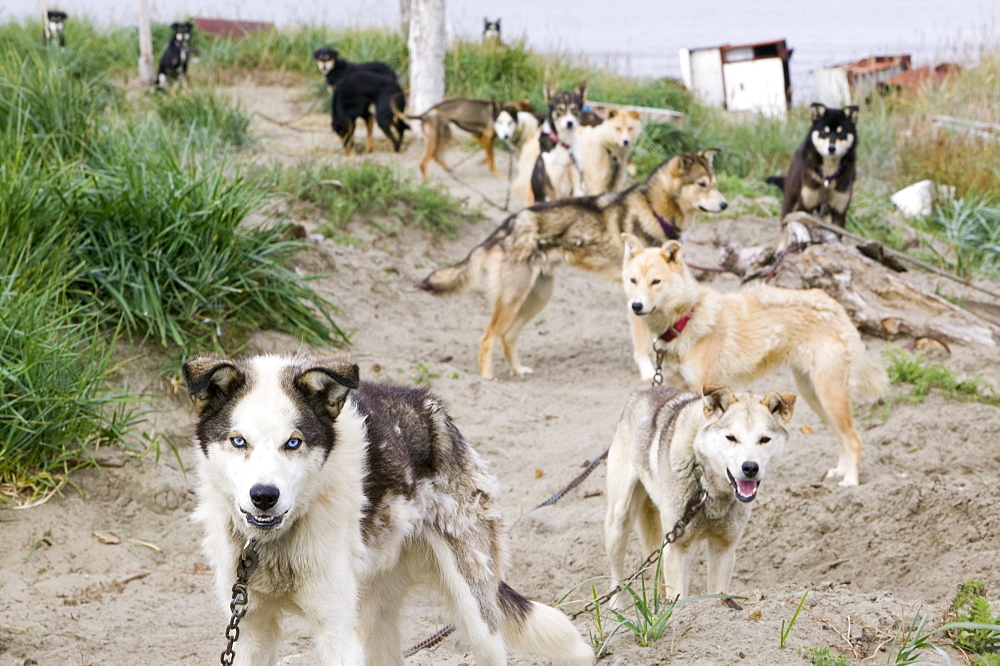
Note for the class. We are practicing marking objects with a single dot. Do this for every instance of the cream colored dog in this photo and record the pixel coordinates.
(607, 150)
(710, 338)
(670, 447)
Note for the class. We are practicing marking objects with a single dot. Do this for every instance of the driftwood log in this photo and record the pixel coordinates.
(881, 301)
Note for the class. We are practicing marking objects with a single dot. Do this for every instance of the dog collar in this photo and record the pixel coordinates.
(669, 230)
(557, 140)
(671, 334)
(829, 179)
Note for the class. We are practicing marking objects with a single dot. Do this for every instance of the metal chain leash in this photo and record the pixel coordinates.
(675, 533)
(244, 569)
(658, 375)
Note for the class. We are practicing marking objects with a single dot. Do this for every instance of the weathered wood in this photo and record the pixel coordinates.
(879, 301)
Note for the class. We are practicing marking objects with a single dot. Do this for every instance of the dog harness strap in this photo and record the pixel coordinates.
(555, 138)
(675, 330)
(669, 230)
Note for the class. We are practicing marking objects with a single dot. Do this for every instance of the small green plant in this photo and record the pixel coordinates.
(913, 638)
(424, 376)
(971, 605)
(907, 368)
(823, 656)
(786, 630)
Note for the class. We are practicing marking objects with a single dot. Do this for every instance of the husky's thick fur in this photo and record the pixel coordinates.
(726, 339)
(519, 257)
(670, 446)
(352, 492)
(175, 58)
(820, 179)
(53, 28)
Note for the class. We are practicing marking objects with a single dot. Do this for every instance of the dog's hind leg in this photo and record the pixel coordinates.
(825, 390)
(515, 283)
(537, 299)
(370, 138)
(472, 598)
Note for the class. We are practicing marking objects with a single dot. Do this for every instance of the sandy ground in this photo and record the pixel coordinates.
(923, 521)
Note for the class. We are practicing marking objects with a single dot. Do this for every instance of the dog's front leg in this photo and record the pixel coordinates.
(260, 636)
(676, 570)
(332, 603)
(643, 345)
(721, 561)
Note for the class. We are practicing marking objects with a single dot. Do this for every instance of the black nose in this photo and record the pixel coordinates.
(265, 497)
(750, 469)
(569, 124)
(833, 149)
(724, 205)
(624, 142)
(636, 306)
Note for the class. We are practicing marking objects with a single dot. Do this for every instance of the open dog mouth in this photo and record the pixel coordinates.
(746, 490)
(262, 520)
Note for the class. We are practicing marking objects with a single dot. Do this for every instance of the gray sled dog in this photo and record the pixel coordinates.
(519, 257)
(352, 492)
(669, 447)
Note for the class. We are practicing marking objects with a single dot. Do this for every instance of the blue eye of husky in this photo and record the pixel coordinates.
(293, 443)
(238, 442)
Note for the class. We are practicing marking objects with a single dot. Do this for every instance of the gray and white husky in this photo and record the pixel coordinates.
(670, 446)
(352, 492)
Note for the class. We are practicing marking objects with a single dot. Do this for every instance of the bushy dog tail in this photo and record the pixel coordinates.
(540, 630)
(777, 181)
(448, 279)
(869, 380)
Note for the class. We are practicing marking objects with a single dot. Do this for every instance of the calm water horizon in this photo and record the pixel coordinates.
(632, 37)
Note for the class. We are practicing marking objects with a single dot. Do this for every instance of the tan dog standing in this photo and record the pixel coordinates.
(519, 257)
(726, 339)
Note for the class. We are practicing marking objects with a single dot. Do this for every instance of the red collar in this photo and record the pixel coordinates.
(675, 330)
(557, 140)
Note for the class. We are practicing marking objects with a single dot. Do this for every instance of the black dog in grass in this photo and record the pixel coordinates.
(52, 31)
(355, 94)
(335, 68)
(820, 179)
(174, 61)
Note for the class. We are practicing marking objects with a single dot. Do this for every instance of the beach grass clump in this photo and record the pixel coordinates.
(378, 194)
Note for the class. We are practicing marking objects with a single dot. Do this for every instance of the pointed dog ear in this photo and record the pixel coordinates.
(708, 154)
(671, 251)
(548, 94)
(327, 383)
(781, 404)
(852, 113)
(611, 114)
(816, 111)
(682, 163)
(211, 381)
(581, 90)
(716, 400)
(633, 246)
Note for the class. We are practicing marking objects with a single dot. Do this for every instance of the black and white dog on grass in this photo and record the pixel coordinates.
(353, 492)
(175, 58)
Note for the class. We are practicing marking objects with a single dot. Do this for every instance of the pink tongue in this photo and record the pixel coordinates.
(747, 488)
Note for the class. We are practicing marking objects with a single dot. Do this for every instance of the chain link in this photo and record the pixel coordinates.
(675, 533)
(658, 375)
(244, 569)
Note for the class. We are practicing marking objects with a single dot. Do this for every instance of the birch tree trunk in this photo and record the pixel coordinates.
(427, 49)
(145, 44)
(404, 15)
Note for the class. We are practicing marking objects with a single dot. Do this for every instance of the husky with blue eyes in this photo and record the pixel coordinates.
(351, 492)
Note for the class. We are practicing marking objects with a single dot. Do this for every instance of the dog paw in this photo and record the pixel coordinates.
(522, 370)
(848, 482)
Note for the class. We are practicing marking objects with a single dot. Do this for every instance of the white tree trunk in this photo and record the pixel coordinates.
(427, 49)
(404, 15)
(145, 44)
